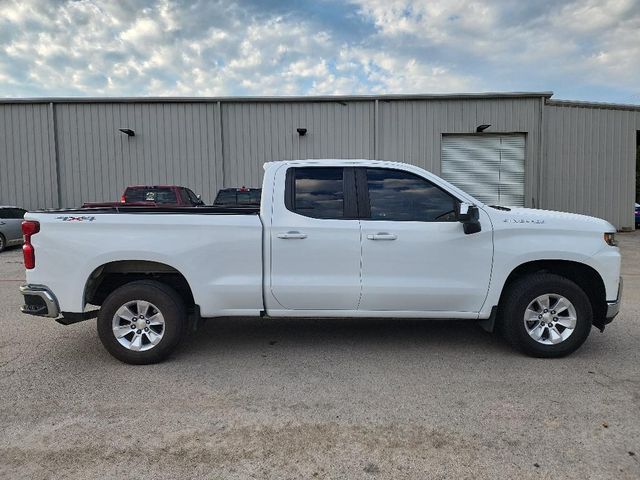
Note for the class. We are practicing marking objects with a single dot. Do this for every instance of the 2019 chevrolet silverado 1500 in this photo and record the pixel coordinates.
(331, 238)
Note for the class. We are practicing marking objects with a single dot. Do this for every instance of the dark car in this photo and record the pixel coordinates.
(154, 195)
(637, 215)
(230, 197)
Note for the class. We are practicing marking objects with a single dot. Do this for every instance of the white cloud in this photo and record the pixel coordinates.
(201, 47)
(592, 40)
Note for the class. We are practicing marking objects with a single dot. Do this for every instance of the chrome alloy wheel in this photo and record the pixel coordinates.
(138, 325)
(550, 319)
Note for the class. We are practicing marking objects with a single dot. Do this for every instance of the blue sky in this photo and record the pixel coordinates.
(582, 50)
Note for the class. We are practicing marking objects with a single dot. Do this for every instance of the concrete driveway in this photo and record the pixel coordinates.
(248, 398)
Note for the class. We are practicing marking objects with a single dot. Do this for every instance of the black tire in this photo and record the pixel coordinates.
(167, 301)
(522, 293)
(3, 242)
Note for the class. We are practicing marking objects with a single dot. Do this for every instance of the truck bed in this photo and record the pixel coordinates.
(218, 250)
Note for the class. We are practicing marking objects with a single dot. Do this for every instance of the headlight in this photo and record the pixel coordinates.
(610, 239)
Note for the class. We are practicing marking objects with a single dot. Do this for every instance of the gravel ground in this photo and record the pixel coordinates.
(256, 398)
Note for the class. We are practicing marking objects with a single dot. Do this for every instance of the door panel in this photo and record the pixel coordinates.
(15, 229)
(12, 227)
(415, 255)
(315, 262)
(430, 266)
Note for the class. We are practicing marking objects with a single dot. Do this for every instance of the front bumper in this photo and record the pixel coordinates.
(39, 301)
(613, 308)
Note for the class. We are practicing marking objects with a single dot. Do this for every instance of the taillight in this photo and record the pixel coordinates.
(123, 199)
(29, 228)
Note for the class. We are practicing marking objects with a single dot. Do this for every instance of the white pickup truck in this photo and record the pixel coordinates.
(331, 238)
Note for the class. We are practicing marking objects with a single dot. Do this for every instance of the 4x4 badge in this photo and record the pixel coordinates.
(76, 219)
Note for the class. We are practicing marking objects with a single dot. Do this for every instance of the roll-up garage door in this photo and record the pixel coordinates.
(489, 167)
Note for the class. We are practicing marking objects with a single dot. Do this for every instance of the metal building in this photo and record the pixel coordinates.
(509, 148)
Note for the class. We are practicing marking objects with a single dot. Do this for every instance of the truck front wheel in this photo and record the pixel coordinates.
(545, 315)
(142, 322)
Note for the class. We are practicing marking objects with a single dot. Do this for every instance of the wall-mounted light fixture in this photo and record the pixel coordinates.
(482, 128)
(128, 132)
(301, 131)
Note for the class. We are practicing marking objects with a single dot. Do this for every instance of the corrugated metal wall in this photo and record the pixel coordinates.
(27, 156)
(589, 162)
(255, 133)
(174, 143)
(586, 165)
(411, 131)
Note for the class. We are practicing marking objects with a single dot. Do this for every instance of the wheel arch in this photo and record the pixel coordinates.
(583, 275)
(111, 275)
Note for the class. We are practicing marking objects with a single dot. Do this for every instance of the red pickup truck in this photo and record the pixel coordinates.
(153, 195)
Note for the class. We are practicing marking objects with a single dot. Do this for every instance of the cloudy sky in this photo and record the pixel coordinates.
(582, 50)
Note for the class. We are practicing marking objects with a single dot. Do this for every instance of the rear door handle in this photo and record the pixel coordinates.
(292, 235)
(382, 236)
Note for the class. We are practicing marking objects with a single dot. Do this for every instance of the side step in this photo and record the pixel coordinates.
(69, 318)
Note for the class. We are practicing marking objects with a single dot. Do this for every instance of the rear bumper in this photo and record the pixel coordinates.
(39, 301)
(613, 308)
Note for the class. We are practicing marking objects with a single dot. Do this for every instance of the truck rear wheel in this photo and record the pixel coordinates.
(546, 315)
(142, 322)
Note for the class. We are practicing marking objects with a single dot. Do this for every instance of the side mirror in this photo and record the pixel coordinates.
(469, 216)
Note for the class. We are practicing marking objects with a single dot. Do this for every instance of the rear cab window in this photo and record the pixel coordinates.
(150, 194)
(239, 196)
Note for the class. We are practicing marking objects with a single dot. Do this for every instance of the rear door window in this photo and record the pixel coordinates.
(12, 213)
(193, 197)
(317, 192)
(184, 197)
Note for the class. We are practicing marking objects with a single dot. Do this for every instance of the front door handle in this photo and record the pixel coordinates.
(292, 235)
(382, 236)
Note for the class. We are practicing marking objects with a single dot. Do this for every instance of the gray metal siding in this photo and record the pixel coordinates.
(255, 133)
(589, 162)
(173, 144)
(27, 156)
(411, 131)
(578, 157)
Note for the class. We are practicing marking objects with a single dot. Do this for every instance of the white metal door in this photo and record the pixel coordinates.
(425, 266)
(315, 262)
(489, 166)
